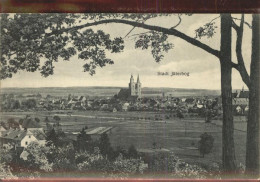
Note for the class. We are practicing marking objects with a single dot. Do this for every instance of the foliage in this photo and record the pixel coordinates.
(91, 161)
(124, 167)
(132, 152)
(12, 124)
(172, 165)
(35, 41)
(205, 143)
(37, 120)
(10, 104)
(29, 103)
(84, 142)
(7, 153)
(56, 118)
(207, 30)
(63, 157)
(120, 167)
(37, 158)
(179, 114)
(156, 41)
(105, 147)
(52, 138)
(5, 172)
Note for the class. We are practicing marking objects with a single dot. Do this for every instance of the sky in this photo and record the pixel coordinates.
(203, 68)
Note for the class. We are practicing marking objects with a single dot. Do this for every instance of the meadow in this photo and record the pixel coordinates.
(141, 129)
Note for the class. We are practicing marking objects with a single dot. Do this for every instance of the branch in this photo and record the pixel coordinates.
(250, 26)
(214, 19)
(129, 32)
(140, 33)
(179, 22)
(234, 65)
(241, 64)
(234, 25)
(144, 26)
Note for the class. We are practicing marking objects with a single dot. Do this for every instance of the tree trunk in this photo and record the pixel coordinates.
(252, 146)
(228, 149)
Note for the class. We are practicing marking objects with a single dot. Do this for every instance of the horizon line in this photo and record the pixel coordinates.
(111, 86)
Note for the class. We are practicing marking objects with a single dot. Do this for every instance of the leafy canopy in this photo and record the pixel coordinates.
(33, 42)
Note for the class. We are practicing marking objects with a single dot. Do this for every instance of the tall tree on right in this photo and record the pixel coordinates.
(252, 82)
(252, 148)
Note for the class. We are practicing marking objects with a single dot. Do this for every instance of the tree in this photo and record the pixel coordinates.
(84, 142)
(46, 38)
(132, 152)
(208, 115)
(51, 138)
(29, 104)
(252, 149)
(56, 118)
(179, 114)
(37, 120)
(13, 124)
(46, 120)
(205, 143)
(252, 82)
(105, 147)
(37, 158)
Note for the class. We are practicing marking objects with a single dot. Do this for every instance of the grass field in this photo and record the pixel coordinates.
(139, 129)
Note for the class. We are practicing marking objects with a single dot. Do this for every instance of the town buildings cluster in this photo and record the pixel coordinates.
(128, 99)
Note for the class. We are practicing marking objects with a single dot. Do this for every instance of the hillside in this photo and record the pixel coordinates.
(109, 91)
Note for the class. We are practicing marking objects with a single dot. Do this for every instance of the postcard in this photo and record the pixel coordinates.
(129, 96)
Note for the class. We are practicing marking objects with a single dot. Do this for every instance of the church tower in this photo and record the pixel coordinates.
(135, 87)
(132, 86)
(138, 87)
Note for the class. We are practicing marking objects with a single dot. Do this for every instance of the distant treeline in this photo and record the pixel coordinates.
(106, 91)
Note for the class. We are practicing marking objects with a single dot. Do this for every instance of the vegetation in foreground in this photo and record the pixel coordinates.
(87, 157)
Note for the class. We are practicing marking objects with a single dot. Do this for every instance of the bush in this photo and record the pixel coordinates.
(175, 167)
(132, 152)
(205, 144)
(56, 118)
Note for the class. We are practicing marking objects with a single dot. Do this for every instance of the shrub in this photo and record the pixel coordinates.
(205, 144)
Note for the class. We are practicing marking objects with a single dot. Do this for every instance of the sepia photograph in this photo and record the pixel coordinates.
(129, 95)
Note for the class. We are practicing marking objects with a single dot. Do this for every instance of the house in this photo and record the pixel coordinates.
(22, 138)
(104, 107)
(2, 128)
(240, 102)
(114, 110)
(238, 109)
(240, 97)
(125, 106)
(199, 106)
(190, 102)
(89, 102)
(82, 99)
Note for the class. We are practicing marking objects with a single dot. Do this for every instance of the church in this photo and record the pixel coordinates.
(133, 92)
(135, 87)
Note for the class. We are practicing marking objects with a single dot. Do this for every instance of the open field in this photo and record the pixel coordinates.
(139, 129)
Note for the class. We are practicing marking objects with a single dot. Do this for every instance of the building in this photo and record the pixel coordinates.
(133, 92)
(240, 97)
(135, 87)
(240, 102)
(22, 138)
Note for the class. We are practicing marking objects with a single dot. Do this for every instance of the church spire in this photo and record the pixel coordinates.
(138, 81)
(132, 78)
